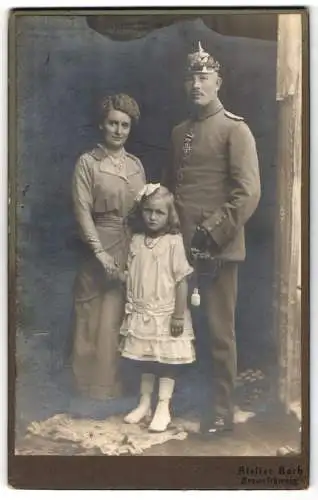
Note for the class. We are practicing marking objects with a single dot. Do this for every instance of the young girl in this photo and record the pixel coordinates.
(157, 328)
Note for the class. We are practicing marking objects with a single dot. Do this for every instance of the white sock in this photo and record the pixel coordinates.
(162, 416)
(142, 410)
(144, 407)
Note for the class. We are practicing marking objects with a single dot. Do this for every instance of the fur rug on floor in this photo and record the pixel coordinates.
(113, 436)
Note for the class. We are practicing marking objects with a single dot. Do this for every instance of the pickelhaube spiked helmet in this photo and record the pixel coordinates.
(201, 61)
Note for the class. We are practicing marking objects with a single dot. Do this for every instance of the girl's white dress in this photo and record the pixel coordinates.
(152, 277)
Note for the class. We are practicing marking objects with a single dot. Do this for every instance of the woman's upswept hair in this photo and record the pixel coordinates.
(119, 102)
(135, 219)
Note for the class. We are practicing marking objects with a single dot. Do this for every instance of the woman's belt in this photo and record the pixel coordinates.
(102, 219)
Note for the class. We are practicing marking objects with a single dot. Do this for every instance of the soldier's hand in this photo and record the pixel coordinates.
(176, 326)
(203, 246)
(200, 240)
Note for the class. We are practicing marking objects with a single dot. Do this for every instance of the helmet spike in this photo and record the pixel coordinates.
(201, 61)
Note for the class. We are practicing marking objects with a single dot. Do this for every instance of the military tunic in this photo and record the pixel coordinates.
(216, 183)
(102, 195)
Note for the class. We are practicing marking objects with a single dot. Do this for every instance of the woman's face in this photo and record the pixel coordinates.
(116, 128)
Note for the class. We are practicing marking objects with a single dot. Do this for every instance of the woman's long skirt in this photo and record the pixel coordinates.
(97, 317)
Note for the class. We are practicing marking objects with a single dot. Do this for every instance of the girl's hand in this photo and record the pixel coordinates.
(176, 326)
(109, 264)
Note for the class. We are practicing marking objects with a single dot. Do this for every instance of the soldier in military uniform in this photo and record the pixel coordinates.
(215, 178)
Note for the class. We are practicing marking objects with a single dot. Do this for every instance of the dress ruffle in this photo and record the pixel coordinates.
(171, 350)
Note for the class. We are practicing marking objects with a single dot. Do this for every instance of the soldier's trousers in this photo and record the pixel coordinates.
(218, 299)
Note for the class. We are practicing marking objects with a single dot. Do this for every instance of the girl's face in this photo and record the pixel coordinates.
(116, 128)
(155, 214)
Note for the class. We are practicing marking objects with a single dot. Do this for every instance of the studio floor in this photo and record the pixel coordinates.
(261, 431)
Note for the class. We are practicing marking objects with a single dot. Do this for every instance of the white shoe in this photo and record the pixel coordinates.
(162, 416)
(144, 408)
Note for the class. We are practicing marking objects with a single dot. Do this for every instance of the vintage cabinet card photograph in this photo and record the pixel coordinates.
(158, 248)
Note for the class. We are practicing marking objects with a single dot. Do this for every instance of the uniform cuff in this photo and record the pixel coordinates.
(215, 230)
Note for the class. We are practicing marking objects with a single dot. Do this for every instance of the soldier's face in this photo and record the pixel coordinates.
(202, 88)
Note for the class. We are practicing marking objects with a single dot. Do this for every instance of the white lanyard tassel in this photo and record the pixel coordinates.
(195, 298)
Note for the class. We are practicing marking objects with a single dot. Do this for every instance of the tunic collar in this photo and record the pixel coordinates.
(203, 112)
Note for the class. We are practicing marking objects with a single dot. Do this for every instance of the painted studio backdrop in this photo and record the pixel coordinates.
(63, 68)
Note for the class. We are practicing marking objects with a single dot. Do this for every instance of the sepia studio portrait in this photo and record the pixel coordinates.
(157, 175)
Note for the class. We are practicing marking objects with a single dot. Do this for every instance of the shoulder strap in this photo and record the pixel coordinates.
(233, 117)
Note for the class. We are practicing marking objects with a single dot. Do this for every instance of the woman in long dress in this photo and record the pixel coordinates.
(105, 183)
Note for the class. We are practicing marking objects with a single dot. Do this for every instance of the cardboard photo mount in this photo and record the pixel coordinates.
(289, 27)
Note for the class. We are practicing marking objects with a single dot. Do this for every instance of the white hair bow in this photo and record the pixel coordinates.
(147, 190)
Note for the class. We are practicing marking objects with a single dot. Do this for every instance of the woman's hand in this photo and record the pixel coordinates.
(176, 326)
(109, 264)
(122, 276)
